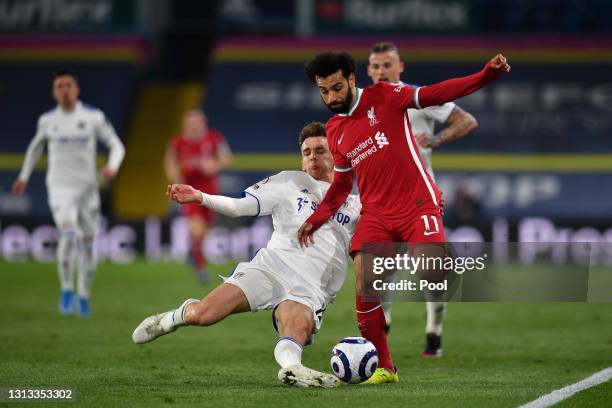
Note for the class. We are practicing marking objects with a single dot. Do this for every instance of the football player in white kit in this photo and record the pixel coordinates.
(296, 283)
(385, 64)
(71, 132)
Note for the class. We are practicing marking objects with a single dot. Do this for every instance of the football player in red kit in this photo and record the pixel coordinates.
(370, 137)
(195, 157)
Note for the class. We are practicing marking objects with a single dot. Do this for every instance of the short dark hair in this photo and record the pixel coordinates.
(326, 63)
(313, 129)
(384, 46)
(65, 72)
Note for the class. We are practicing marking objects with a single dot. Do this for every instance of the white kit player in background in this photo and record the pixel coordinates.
(384, 64)
(297, 284)
(71, 132)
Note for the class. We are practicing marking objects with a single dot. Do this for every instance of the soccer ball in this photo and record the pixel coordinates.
(354, 359)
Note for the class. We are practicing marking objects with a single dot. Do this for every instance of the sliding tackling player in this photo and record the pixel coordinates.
(298, 285)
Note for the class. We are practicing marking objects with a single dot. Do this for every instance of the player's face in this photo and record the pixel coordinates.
(317, 160)
(65, 91)
(337, 91)
(194, 124)
(385, 66)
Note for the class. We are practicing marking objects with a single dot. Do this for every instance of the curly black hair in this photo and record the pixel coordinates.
(326, 63)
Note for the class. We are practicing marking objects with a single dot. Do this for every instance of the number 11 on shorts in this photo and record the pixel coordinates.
(428, 230)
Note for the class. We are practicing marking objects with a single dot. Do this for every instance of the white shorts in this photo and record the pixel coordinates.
(76, 209)
(267, 281)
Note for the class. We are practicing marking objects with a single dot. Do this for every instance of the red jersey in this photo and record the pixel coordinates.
(375, 141)
(190, 153)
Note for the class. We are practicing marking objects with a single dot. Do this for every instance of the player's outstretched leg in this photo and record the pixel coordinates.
(371, 322)
(163, 323)
(433, 330)
(224, 300)
(295, 326)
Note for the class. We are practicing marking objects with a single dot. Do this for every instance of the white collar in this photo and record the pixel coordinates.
(357, 99)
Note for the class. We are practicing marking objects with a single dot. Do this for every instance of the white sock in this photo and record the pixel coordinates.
(175, 318)
(287, 352)
(87, 268)
(386, 307)
(67, 249)
(435, 317)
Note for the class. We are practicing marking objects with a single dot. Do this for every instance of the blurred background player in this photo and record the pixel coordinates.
(71, 132)
(385, 64)
(195, 157)
(298, 285)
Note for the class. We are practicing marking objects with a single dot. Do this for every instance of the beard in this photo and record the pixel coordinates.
(343, 107)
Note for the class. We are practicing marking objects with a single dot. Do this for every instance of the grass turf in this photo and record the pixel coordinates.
(501, 354)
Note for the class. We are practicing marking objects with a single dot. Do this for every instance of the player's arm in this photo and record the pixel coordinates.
(106, 133)
(33, 153)
(231, 207)
(459, 124)
(171, 166)
(334, 198)
(451, 89)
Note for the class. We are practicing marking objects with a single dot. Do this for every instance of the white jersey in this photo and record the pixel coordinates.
(291, 197)
(424, 121)
(71, 139)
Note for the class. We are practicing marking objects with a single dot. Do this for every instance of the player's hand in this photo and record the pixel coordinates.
(427, 140)
(441, 206)
(183, 194)
(108, 173)
(421, 139)
(19, 187)
(305, 234)
(500, 63)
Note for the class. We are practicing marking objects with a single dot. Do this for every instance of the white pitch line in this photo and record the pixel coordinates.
(563, 393)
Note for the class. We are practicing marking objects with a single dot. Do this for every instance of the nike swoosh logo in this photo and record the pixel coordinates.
(341, 137)
(430, 233)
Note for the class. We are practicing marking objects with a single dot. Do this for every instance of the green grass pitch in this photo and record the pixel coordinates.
(496, 354)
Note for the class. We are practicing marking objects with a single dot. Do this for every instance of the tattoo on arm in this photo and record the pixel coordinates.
(460, 123)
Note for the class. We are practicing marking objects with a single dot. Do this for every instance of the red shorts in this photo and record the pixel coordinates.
(422, 226)
(198, 211)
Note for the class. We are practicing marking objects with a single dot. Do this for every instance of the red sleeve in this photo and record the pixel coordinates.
(342, 184)
(341, 163)
(455, 88)
(401, 96)
(334, 198)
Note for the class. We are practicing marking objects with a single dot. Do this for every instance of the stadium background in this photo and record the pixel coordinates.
(538, 168)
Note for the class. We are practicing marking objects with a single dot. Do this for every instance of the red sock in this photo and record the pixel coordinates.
(198, 256)
(372, 327)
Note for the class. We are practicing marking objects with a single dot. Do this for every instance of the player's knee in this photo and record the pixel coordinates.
(68, 233)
